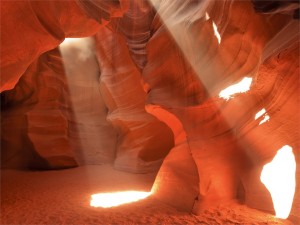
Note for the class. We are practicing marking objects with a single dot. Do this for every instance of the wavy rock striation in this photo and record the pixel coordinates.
(170, 59)
(34, 129)
(206, 50)
(143, 141)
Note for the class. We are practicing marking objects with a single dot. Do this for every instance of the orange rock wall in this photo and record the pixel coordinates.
(34, 129)
(46, 24)
(186, 81)
(143, 141)
(170, 59)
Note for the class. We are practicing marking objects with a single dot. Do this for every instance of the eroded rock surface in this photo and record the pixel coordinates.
(170, 59)
(34, 129)
(218, 46)
(143, 141)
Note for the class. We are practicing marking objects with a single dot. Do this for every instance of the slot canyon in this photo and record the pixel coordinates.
(150, 112)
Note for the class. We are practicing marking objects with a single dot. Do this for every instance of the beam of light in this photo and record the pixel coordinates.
(171, 23)
(279, 178)
(172, 14)
(107, 200)
(86, 103)
(216, 32)
(240, 87)
(81, 47)
(263, 113)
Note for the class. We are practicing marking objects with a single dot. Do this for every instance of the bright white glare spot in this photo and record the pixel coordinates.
(279, 178)
(217, 34)
(262, 113)
(240, 87)
(265, 119)
(78, 48)
(107, 200)
(206, 16)
(70, 40)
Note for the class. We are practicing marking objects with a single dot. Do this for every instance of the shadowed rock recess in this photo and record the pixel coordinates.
(143, 89)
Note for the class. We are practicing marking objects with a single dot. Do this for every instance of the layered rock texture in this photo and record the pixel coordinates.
(34, 128)
(92, 138)
(148, 91)
(142, 139)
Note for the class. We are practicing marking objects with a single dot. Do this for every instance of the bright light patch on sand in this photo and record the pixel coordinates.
(279, 178)
(217, 34)
(240, 87)
(262, 113)
(107, 200)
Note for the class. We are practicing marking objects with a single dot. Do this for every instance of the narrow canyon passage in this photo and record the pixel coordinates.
(187, 111)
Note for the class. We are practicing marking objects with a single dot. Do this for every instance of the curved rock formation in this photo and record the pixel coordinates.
(135, 26)
(46, 24)
(174, 60)
(220, 45)
(34, 128)
(143, 141)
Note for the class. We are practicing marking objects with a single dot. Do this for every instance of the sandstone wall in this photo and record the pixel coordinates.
(34, 129)
(170, 59)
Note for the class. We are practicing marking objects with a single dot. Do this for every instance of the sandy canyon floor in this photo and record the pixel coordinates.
(63, 197)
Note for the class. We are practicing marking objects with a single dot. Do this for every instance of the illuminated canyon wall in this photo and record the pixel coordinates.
(34, 127)
(156, 91)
